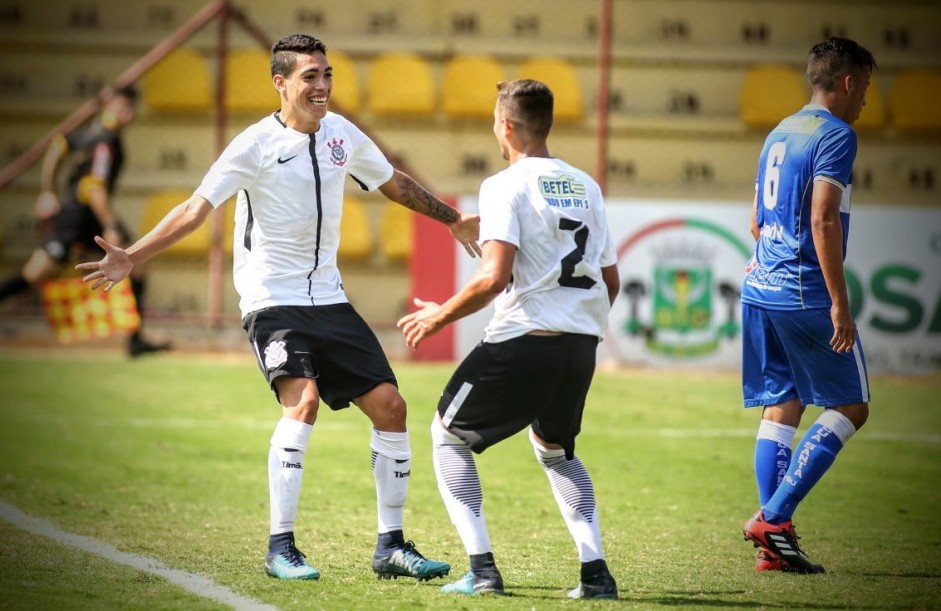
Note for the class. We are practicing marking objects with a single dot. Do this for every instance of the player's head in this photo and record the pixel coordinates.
(119, 107)
(303, 77)
(284, 52)
(527, 106)
(841, 68)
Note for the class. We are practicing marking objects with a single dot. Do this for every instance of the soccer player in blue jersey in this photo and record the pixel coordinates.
(800, 343)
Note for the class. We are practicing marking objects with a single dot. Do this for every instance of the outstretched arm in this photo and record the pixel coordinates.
(117, 263)
(405, 190)
(490, 279)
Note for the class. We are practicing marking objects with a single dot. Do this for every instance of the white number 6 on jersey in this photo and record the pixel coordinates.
(773, 174)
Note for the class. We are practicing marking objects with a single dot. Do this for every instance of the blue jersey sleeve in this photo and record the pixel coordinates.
(836, 151)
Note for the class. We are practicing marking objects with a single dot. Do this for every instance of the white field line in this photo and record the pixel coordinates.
(265, 424)
(201, 586)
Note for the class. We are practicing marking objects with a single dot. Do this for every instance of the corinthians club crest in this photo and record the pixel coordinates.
(338, 155)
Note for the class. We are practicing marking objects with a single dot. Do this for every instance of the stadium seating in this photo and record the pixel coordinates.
(562, 78)
(468, 87)
(914, 100)
(346, 91)
(401, 84)
(396, 232)
(179, 82)
(248, 87)
(770, 93)
(356, 241)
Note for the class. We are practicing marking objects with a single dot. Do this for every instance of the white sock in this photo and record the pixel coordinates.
(575, 496)
(459, 486)
(286, 471)
(391, 468)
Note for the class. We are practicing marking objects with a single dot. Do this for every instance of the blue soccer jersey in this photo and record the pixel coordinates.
(811, 145)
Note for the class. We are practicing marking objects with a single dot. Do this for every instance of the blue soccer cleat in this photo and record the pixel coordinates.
(406, 561)
(290, 563)
(472, 584)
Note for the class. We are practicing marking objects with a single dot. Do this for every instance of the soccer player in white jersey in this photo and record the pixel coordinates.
(800, 344)
(549, 262)
(288, 171)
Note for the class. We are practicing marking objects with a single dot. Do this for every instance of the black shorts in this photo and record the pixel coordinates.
(76, 225)
(501, 388)
(331, 344)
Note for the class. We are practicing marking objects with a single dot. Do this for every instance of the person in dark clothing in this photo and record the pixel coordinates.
(87, 209)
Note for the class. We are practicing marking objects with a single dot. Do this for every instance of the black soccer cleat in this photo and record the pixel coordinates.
(781, 541)
(406, 561)
(601, 586)
(137, 346)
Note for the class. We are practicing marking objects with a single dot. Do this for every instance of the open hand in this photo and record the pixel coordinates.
(111, 269)
(421, 323)
(466, 230)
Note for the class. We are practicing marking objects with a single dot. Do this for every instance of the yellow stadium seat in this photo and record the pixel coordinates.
(560, 75)
(469, 86)
(914, 100)
(248, 86)
(345, 82)
(178, 82)
(401, 84)
(771, 93)
(157, 207)
(355, 232)
(873, 115)
(396, 232)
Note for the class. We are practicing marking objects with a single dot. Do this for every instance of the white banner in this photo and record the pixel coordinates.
(681, 266)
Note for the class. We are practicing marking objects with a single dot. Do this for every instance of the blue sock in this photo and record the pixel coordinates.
(772, 457)
(771, 462)
(812, 458)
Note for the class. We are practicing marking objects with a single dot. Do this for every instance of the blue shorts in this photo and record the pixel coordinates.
(786, 354)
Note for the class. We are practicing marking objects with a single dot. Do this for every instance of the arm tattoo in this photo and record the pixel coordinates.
(417, 198)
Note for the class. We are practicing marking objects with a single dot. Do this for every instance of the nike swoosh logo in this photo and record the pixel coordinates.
(286, 160)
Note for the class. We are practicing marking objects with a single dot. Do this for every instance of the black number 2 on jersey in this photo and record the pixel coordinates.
(569, 261)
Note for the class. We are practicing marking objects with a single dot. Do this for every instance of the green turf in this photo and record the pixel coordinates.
(165, 457)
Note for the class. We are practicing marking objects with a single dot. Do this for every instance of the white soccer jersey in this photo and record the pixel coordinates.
(289, 205)
(554, 214)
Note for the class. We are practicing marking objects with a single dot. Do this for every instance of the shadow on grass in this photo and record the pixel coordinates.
(705, 601)
(906, 575)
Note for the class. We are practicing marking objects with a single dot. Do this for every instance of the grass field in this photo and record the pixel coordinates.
(165, 457)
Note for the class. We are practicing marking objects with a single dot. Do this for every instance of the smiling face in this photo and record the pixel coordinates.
(305, 92)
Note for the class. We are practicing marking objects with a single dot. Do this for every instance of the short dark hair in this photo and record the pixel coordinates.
(528, 104)
(833, 58)
(127, 91)
(284, 52)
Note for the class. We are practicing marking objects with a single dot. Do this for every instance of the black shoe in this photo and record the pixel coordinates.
(406, 561)
(781, 541)
(137, 346)
(604, 587)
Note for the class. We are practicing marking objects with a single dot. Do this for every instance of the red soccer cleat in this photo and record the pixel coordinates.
(781, 541)
(766, 561)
